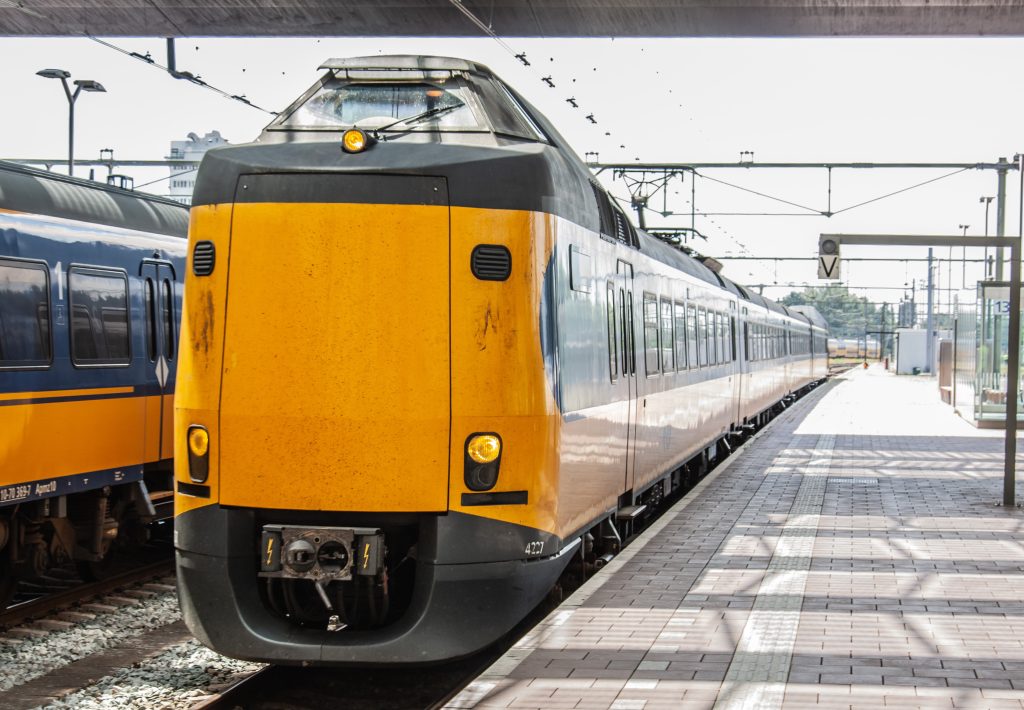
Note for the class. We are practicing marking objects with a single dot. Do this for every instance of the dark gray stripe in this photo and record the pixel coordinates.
(338, 188)
(503, 498)
(194, 490)
(66, 485)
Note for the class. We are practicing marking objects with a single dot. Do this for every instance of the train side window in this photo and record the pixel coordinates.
(168, 316)
(680, 333)
(720, 332)
(650, 334)
(613, 336)
(24, 314)
(691, 337)
(732, 338)
(668, 360)
(628, 344)
(712, 338)
(99, 314)
(150, 320)
(702, 337)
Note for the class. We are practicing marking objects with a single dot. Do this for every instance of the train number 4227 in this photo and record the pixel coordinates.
(535, 548)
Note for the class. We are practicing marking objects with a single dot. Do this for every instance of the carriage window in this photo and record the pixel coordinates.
(720, 332)
(691, 337)
(702, 337)
(712, 338)
(731, 342)
(613, 336)
(99, 317)
(150, 320)
(24, 314)
(168, 313)
(668, 361)
(651, 334)
(680, 333)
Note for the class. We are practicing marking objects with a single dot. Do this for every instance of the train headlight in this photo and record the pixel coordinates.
(198, 454)
(484, 448)
(483, 459)
(355, 141)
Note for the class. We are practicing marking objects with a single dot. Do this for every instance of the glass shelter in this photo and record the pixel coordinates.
(981, 355)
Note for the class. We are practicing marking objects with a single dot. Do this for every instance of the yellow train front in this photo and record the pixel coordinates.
(430, 363)
(364, 414)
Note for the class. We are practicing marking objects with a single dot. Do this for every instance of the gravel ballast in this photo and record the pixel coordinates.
(175, 679)
(26, 657)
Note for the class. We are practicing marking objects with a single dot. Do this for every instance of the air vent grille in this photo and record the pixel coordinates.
(491, 262)
(203, 258)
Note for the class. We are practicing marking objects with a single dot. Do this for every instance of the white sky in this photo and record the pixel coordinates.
(843, 100)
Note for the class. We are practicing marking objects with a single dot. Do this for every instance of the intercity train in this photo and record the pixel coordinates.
(90, 300)
(427, 363)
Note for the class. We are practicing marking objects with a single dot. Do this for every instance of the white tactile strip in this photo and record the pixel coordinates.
(760, 667)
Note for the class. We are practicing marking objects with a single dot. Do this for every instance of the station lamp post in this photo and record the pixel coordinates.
(80, 86)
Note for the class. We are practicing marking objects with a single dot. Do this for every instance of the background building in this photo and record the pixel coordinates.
(189, 152)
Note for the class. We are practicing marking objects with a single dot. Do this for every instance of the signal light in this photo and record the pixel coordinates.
(355, 141)
(198, 454)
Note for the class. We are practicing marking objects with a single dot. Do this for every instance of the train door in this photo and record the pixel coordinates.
(627, 348)
(742, 357)
(159, 293)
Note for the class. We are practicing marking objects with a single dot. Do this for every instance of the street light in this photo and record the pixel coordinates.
(987, 201)
(963, 263)
(80, 86)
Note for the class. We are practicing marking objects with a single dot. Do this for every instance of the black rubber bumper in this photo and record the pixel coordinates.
(456, 610)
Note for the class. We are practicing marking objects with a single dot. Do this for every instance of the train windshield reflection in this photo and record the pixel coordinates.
(455, 104)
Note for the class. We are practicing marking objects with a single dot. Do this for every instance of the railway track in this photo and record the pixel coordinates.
(53, 600)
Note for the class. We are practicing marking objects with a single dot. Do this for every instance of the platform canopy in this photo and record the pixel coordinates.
(512, 18)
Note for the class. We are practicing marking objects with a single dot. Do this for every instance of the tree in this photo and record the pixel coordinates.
(848, 316)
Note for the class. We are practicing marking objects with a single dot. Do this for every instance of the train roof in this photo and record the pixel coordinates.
(408, 62)
(30, 191)
(672, 256)
(812, 314)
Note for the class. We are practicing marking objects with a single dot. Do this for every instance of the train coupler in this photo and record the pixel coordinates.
(321, 555)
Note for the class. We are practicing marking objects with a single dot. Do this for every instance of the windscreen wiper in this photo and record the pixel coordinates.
(415, 119)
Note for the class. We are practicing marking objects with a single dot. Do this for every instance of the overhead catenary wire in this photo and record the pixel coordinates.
(167, 177)
(759, 194)
(900, 191)
(183, 75)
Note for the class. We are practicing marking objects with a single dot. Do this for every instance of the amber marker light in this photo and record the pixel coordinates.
(198, 453)
(484, 448)
(355, 141)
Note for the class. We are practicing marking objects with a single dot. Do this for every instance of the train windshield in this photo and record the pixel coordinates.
(437, 106)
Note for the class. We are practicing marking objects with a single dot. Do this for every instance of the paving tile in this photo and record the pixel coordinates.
(851, 556)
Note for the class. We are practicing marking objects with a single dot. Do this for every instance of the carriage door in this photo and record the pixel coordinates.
(160, 312)
(627, 350)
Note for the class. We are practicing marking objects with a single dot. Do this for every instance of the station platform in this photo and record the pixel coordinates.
(852, 555)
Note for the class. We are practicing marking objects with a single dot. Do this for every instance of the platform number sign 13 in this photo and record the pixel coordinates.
(828, 258)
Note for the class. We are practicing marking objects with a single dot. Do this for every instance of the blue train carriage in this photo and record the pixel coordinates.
(90, 301)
